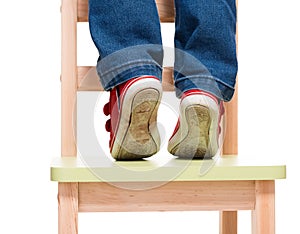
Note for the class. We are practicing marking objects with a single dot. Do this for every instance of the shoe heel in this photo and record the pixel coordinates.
(141, 139)
(196, 143)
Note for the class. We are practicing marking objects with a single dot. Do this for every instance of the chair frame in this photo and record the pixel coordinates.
(74, 197)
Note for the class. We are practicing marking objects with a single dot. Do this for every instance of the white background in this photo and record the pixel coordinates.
(30, 117)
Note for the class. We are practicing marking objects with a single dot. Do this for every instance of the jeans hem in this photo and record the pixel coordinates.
(209, 84)
(118, 75)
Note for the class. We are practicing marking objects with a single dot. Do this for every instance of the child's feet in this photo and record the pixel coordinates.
(132, 125)
(196, 134)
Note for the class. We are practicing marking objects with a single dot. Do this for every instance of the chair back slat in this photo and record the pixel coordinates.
(165, 9)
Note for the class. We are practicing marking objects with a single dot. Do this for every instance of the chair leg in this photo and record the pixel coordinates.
(67, 208)
(263, 217)
(228, 222)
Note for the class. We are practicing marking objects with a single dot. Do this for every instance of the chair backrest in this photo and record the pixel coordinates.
(74, 11)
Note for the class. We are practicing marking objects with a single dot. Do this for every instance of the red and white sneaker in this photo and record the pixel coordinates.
(198, 130)
(132, 125)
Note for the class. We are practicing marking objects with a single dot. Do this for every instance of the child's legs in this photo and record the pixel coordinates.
(205, 29)
(127, 36)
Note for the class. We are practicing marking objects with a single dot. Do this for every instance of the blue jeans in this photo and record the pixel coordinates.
(128, 38)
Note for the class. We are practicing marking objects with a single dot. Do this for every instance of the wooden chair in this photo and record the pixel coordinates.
(230, 185)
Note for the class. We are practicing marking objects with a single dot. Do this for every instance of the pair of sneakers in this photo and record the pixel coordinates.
(134, 135)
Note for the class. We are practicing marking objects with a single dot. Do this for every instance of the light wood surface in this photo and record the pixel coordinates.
(230, 195)
(229, 168)
(67, 208)
(68, 192)
(68, 77)
(165, 9)
(230, 145)
(263, 216)
(228, 222)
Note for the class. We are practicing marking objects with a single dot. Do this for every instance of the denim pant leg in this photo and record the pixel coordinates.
(127, 36)
(205, 55)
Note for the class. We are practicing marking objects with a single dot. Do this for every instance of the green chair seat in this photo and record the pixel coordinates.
(95, 169)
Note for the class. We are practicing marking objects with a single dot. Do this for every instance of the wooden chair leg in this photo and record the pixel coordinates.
(228, 222)
(67, 208)
(263, 217)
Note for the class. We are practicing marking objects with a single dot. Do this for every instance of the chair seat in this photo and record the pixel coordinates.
(95, 169)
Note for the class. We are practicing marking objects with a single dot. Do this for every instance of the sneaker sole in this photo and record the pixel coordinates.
(195, 143)
(137, 135)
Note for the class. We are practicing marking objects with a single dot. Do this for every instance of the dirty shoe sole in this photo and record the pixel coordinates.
(197, 135)
(137, 134)
(194, 141)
